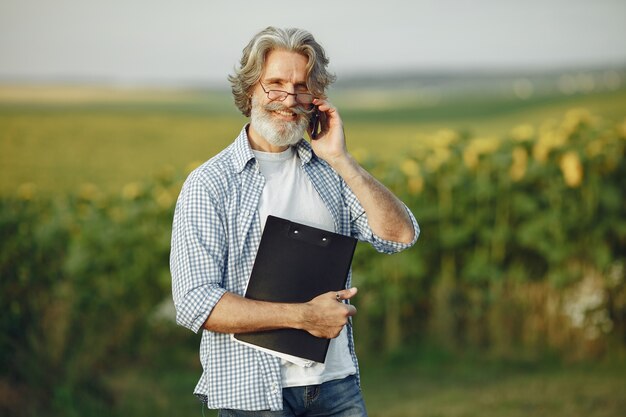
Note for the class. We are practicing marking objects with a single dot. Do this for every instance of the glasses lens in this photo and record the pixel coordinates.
(276, 95)
(304, 98)
(279, 95)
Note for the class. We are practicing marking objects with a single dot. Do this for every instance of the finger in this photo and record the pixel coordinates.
(324, 105)
(351, 310)
(320, 102)
(346, 294)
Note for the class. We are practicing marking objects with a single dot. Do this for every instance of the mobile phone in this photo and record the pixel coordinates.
(314, 123)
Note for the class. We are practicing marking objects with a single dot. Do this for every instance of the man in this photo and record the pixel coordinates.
(220, 215)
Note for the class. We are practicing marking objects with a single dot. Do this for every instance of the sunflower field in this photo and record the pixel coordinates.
(522, 252)
(523, 242)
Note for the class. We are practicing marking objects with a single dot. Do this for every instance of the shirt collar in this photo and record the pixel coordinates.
(242, 153)
(305, 152)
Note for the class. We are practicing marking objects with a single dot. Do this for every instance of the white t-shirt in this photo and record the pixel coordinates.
(289, 194)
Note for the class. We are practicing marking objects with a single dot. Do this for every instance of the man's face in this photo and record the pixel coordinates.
(280, 123)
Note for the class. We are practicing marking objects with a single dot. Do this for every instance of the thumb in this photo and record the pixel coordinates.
(346, 294)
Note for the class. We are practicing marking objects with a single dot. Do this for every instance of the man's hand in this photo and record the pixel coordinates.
(326, 314)
(386, 214)
(330, 144)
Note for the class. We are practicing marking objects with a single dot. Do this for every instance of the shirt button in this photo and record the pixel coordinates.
(308, 364)
(274, 389)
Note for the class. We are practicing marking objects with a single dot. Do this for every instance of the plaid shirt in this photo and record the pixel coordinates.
(215, 236)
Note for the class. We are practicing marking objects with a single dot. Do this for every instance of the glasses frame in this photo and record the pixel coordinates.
(284, 94)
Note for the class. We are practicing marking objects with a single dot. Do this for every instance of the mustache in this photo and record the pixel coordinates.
(299, 110)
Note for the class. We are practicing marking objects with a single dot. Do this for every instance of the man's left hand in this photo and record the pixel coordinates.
(330, 144)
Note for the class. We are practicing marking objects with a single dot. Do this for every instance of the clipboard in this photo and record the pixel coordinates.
(294, 264)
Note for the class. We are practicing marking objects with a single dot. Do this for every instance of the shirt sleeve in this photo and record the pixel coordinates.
(361, 229)
(197, 256)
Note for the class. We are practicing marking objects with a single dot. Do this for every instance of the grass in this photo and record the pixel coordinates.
(62, 150)
(418, 384)
(486, 389)
(61, 140)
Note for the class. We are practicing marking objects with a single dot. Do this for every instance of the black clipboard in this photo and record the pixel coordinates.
(294, 264)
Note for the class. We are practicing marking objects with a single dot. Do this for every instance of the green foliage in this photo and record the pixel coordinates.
(81, 276)
(522, 251)
(541, 210)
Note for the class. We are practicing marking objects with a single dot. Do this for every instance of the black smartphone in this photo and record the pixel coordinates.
(314, 123)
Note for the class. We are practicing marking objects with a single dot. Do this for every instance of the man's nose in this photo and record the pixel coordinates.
(290, 101)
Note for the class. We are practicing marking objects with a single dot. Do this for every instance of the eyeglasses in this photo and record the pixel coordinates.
(280, 95)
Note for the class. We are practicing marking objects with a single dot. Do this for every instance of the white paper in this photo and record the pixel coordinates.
(305, 363)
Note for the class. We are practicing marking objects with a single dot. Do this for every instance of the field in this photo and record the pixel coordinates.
(66, 138)
(512, 303)
(422, 384)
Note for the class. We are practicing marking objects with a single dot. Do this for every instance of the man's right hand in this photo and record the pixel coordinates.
(325, 315)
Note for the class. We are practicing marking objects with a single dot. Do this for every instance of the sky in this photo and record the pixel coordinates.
(199, 42)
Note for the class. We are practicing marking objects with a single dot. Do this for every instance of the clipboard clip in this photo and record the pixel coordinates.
(309, 235)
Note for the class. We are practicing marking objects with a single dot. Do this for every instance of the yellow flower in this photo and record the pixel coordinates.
(485, 145)
(410, 168)
(163, 198)
(477, 147)
(131, 191)
(576, 117)
(437, 158)
(470, 157)
(572, 169)
(549, 139)
(88, 192)
(27, 191)
(520, 161)
(573, 121)
(541, 151)
(522, 133)
(445, 137)
(594, 148)
(416, 185)
(622, 129)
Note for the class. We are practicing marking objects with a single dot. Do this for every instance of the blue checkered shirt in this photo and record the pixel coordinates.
(215, 236)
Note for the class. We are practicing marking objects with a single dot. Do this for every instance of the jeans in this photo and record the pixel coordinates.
(339, 398)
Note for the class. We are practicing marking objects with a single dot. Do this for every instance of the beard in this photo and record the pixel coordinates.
(275, 131)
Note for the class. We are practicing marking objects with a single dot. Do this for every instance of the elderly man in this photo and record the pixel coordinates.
(271, 170)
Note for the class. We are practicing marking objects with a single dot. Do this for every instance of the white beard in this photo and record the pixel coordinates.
(275, 131)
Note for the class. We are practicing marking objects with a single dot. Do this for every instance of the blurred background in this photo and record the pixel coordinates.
(501, 124)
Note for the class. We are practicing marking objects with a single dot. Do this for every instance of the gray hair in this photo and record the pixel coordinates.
(255, 53)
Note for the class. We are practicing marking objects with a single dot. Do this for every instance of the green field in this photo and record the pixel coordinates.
(63, 139)
(416, 384)
(519, 271)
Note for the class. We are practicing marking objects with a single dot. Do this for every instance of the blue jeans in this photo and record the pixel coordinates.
(339, 398)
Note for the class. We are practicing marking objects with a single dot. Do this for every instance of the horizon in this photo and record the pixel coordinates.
(199, 43)
(343, 80)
